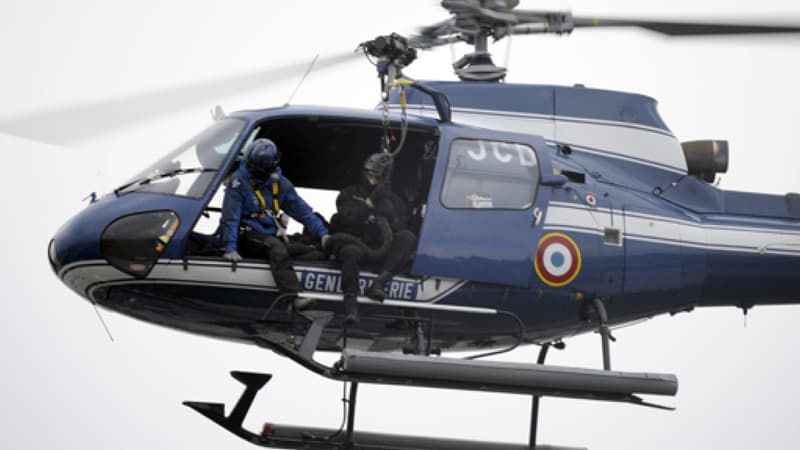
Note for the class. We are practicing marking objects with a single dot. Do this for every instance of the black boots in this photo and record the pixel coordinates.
(375, 291)
(350, 309)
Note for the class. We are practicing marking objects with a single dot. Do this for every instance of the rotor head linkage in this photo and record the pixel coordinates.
(478, 66)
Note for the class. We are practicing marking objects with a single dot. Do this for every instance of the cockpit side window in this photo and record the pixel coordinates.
(189, 169)
(484, 174)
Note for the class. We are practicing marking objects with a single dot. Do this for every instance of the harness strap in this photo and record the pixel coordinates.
(262, 203)
(276, 206)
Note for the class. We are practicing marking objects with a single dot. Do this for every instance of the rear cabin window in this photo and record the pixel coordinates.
(485, 174)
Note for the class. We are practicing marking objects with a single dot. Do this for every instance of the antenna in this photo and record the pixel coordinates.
(218, 113)
(302, 79)
(97, 311)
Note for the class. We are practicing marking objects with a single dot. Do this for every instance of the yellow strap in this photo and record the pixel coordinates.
(276, 207)
(261, 202)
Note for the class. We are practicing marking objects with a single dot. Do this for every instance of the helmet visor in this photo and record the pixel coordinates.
(259, 171)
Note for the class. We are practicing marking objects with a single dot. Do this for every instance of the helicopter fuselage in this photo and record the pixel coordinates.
(532, 204)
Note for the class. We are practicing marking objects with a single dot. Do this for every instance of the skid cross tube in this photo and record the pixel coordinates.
(351, 412)
(605, 333)
(535, 401)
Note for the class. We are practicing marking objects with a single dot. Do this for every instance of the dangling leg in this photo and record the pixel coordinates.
(350, 258)
(403, 245)
(281, 266)
(377, 290)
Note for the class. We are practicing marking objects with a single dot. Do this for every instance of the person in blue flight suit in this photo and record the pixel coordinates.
(356, 209)
(255, 195)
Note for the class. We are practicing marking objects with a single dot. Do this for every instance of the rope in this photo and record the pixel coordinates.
(402, 83)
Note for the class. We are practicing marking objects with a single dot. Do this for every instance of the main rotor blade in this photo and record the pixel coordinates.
(438, 28)
(72, 123)
(690, 28)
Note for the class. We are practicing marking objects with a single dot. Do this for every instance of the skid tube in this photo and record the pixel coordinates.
(304, 437)
(354, 366)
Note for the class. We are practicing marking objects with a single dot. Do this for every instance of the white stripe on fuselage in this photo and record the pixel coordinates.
(630, 142)
(579, 218)
(251, 275)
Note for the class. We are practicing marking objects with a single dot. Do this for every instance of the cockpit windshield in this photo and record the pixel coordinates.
(189, 169)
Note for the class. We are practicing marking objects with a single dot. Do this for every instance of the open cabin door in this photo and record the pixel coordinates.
(480, 221)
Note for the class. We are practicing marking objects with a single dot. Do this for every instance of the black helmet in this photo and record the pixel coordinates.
(261, 158)
(379, 165)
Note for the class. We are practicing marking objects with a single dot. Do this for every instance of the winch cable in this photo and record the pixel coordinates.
(401, 83)
(389, 54)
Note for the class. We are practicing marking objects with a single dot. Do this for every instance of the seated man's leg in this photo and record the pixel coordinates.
(350, 258)
(403, 245)
(274, 250)
(281, 264)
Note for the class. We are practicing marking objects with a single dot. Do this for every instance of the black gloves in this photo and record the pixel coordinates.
(381, 192)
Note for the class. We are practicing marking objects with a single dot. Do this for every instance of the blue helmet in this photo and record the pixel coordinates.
(261, 158)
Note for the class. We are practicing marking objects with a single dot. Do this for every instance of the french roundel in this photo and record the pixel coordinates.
(558, 259)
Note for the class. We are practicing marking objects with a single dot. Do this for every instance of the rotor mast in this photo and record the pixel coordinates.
(478, 66)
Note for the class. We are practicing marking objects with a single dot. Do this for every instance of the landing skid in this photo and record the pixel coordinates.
(295, 437)
(355, 366)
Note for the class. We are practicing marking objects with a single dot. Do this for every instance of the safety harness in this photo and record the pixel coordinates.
(278, 218)
(276, 207)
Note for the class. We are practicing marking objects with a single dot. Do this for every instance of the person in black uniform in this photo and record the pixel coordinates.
(358, 210)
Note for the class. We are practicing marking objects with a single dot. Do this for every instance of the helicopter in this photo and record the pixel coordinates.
(504, 154)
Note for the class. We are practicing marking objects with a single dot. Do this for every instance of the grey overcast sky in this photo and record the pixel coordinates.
(66, 385)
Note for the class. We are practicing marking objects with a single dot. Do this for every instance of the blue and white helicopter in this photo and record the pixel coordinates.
(542, 212)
